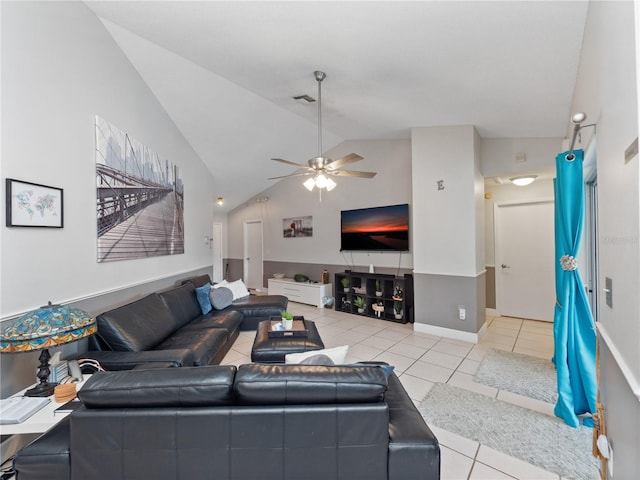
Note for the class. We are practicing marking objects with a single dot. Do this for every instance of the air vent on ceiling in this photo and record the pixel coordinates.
(305, 97)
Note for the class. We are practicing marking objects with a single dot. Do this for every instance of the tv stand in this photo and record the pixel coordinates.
(394, 302)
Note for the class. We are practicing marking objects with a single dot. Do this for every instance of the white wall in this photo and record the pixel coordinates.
(606, 91)
(447, 223)
(60, 67)
(391, 159)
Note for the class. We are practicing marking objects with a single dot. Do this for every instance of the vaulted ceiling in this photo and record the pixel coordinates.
(226, 73)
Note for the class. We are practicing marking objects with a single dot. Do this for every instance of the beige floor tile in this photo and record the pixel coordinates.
(534, 353)
(417, 388)
(418, 340)
(410, 351)
(378, 342)
(441, 359)
(364, 352)
(468, 448)
(400, 362)
(493, 337)
(512, 466)
(477, 353)
(428, 371)
(481, 471)
(453, 348)
(393, 334)
(469, 366)
(526, 402)
(507, 332)
(463, 380)
(454, 465)
(507, 322)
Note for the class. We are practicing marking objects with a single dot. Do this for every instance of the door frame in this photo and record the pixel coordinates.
(245, 263)
(496, 240)
(217, 253)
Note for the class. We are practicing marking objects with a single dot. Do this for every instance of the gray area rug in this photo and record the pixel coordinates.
(533, 437)
(522, 374)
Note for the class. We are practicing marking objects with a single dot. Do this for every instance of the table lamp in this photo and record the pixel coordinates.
(48, 326)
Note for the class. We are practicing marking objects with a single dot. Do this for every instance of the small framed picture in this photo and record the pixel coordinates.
(33, 205)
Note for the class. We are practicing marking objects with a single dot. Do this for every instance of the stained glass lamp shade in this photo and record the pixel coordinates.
(48, 326)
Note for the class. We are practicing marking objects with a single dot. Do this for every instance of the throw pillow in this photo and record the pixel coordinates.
(202, 294)
(238, 288)
(220, 298)
(318, 359)
(336, 354)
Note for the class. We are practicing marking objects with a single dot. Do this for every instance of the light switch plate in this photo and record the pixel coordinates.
(608, 292)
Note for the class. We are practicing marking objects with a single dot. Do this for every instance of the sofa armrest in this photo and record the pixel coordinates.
(111, 360)
(47, 456)
(414, 452)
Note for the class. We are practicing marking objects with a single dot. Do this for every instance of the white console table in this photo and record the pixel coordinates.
(42, 420)
(301, 292)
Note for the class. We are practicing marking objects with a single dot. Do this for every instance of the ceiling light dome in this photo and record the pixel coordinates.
(523, 180)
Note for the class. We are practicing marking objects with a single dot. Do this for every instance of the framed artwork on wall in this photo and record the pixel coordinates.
(33, 205)
(297, 227)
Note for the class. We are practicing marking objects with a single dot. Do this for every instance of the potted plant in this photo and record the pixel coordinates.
(287, 320)
(378, 288)
(397, 310)
(345, 284)
(359, 303)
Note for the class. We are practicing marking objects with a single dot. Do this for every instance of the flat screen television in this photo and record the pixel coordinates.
(375, 229)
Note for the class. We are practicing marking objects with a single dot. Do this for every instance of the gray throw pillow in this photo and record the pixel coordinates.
(220, 297)
(319, 359)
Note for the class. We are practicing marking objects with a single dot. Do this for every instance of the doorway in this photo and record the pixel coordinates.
(253, 259)
(525, 269)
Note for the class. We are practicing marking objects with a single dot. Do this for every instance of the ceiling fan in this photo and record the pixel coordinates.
(320, 169)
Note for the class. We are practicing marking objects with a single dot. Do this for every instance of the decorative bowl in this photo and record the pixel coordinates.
(300, 277)
(278, 275)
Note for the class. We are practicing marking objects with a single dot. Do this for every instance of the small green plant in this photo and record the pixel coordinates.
(359, 302)
(345, 282)
(397, 308)
(378, 286)
(286, 315)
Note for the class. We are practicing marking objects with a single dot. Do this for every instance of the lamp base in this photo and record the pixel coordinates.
(44, 389)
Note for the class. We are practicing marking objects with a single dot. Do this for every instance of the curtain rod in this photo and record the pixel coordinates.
(577, 119)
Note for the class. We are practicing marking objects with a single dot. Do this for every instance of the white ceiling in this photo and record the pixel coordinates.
(226, 71)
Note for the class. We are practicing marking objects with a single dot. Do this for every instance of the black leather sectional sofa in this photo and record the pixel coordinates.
(256, 422)
(168, 329)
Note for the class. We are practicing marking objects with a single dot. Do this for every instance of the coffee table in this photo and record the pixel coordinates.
(268, 349)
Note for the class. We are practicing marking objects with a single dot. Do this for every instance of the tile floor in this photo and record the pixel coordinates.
(420, 360)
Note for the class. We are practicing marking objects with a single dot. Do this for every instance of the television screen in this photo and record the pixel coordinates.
(378, 228)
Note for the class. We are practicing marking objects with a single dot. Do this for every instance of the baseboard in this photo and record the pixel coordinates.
(492, 312)
(468, 337)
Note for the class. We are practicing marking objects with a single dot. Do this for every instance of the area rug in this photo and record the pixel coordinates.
(533, 437)
(522, 374)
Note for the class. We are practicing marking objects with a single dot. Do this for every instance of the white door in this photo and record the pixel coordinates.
(216, 242)
(253, 254)
(525, 267)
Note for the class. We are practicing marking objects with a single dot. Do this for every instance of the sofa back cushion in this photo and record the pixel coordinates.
(137, 326)
(258, 384)
(205, 386)
(182, 303)
(198, 281)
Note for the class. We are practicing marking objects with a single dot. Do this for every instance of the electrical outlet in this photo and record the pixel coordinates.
(462, 312)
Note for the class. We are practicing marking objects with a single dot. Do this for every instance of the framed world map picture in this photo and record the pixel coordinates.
(33, 205)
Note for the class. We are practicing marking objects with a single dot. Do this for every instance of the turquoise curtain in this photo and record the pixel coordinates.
(574, 328)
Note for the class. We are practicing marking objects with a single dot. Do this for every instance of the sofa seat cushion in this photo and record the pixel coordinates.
(259, 384)
(261, 305)
(182, 303)
(160, 388)
(204, 343)
(229, 320)
(137, 326)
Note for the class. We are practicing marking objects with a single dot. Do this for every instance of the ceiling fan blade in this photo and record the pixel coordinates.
(281, 160)
(352, 173)
(346, 160)
(301, 174)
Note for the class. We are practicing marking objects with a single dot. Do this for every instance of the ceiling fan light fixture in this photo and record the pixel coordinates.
(321, 181)
(330, 185)
(523, 180)
(309, 184)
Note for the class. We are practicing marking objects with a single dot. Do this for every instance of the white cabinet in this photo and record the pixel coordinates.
(300, 292)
